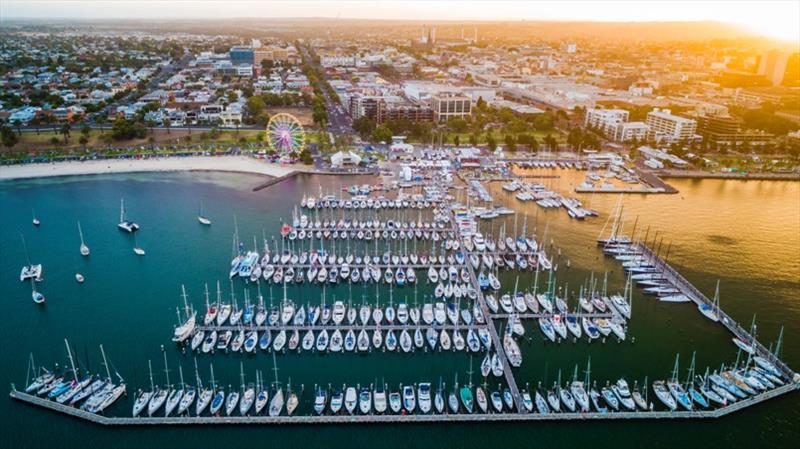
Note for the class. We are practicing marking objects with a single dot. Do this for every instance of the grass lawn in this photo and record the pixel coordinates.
(499, 137)
(31, 142)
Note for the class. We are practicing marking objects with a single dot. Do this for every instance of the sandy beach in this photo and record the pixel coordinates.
(243, 164)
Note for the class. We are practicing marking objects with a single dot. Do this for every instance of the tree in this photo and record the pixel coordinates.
(256, 106)
(364, 126)
(457, 140)
(550, 142)
(533, 144)
(100, 120)
(382, 134)
(85, 129)
(232, 97)
(473, 139)
(150, 124)
(236, 123)
(457, 124)
(306, 157)
(511, 142)
(167, 123)
(491, 142)
(83, 140)
(64, 131)
(8, 137)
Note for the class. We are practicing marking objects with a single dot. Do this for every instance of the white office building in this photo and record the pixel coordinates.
(606, 120)
(628, 131)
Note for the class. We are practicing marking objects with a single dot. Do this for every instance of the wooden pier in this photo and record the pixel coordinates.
(274, 181)
(521, 416)
(685, 287)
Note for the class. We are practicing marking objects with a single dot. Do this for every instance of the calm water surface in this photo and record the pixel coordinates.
(746, 234)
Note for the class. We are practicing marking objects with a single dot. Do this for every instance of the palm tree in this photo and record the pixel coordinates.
(100, 120)
(167, 124)
(65, 128)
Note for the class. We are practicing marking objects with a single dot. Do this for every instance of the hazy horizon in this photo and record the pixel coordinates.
(773, 19)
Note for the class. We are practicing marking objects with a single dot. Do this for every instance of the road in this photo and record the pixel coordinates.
(339, 121)
(163, 74)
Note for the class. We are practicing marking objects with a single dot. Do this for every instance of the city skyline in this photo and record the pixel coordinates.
(773, 19)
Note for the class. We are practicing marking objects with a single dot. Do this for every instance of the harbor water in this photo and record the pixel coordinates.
(746, 234)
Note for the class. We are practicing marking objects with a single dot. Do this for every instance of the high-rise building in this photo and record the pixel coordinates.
(666, 126)
(780, 68)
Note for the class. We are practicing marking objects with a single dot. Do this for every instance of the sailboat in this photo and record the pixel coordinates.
(144, 396)
(201, 216)
(125, 225)
(276, 404)
(36, 221)
(711, 311)
(84, 248)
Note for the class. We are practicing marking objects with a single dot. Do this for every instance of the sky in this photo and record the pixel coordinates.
(772, 18)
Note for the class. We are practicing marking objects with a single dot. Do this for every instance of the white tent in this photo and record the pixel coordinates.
(345, 158)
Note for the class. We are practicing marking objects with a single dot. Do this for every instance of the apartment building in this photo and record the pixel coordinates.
(666, 126)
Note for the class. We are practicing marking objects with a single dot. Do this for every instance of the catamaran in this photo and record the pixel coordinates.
(125, 225)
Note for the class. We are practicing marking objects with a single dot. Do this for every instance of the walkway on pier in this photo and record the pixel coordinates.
(274, 181)
(389, 418)
(343, 327)
(496, 340)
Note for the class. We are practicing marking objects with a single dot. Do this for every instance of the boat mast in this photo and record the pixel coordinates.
(213, 383)
(675, 369)
(185, 302)
(275, 369)
(690, 375)
(241, 373)
(150, 369)
(80, 232)
(71, 361)
(779, 345)
(166, 368)
(197, 375)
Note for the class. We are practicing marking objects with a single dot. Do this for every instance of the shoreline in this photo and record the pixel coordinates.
(732, 176)
(232, 164)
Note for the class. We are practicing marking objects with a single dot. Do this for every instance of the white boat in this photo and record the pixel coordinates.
(350, 400)
(424, 397)
(201, 217)
(84, 249)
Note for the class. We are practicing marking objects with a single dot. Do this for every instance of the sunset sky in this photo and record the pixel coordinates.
(773, 18)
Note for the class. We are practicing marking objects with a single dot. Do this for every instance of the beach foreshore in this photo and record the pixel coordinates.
(240, 164)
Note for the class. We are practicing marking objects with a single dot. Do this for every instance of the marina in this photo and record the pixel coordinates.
(459, 236)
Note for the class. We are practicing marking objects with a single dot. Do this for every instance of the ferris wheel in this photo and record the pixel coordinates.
(285, 133)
